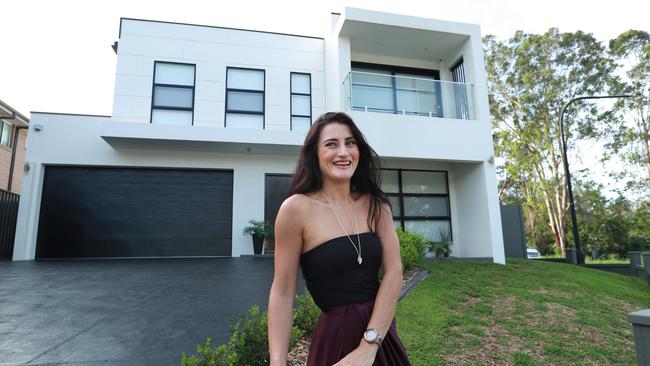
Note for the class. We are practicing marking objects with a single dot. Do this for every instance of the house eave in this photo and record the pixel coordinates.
(125, 135)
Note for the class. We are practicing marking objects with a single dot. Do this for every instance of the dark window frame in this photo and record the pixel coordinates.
(154, 85)
(401, 195)
(394, 69)
(252, 91)
(291, 94)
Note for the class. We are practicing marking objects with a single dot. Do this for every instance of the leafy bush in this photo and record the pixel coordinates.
(249, 340)
(442, 248)
(248, 345)
(259, 228)
(219, 356)
(306, 314)
(412, 248)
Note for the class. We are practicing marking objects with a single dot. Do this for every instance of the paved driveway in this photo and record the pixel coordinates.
(123, 312)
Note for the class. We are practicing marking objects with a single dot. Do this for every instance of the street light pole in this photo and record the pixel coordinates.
(574, 219)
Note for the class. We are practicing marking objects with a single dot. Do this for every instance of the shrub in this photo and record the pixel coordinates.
(249, 340)
(248, 345)
(306, 314)
(442, 248)
(412, 248)
(219, 356)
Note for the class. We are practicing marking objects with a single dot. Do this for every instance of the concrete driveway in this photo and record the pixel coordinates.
(123, 312)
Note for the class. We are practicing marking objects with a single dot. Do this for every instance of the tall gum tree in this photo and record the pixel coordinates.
(631, 134)
(530, 78)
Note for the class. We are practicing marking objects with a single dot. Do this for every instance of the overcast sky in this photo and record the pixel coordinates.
(56, 55)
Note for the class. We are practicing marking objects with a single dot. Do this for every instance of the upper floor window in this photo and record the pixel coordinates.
(395, 89)
(5, 133)
(244, 98)
(173, 93)
(300, 101)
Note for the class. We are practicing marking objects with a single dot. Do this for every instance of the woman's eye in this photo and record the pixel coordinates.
(329, 144)
(351, 142)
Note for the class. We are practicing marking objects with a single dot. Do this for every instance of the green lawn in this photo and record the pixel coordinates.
(524, 313)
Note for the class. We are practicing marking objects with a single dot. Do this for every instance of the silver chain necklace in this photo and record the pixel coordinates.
(356, 225)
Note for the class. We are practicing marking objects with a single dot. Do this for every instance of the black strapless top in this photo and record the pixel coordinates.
(333, 275)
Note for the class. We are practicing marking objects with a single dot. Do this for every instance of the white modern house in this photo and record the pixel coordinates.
(207, 123)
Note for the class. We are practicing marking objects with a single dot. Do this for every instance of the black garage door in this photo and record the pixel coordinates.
(124, 212)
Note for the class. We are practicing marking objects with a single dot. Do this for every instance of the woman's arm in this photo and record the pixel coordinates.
(288, 246)
(386, 300)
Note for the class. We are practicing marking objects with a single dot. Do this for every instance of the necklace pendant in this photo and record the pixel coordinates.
(359, 259)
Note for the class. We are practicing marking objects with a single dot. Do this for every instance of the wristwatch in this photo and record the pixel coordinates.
(372, 336)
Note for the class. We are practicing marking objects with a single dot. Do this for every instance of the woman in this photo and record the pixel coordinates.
(338, 226)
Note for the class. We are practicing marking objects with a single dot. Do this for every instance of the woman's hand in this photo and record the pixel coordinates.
(364, 355)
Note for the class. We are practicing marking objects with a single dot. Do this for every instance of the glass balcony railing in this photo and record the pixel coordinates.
(385, 93)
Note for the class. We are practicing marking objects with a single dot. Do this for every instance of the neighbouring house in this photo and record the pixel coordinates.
(13, 136)
(207, 123)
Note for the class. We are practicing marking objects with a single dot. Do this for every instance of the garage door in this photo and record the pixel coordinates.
(124, 212)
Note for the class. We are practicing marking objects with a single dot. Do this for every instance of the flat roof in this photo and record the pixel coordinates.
(213, 26)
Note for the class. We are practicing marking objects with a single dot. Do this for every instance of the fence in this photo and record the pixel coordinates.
(8, 216)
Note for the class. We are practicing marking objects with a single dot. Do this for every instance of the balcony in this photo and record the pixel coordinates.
(405, 95)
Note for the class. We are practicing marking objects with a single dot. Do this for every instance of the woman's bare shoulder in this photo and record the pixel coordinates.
(296, 204)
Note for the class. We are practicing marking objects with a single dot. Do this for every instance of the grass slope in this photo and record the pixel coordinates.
(523, 313)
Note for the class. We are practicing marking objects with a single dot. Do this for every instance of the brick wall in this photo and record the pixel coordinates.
(5, 162)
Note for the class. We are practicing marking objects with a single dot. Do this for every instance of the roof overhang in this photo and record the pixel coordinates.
(125, 135)
(12, 116)
(394, 35)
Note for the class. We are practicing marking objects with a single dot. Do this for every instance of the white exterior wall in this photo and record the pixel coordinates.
(475, 202)
(79, 135)
(212, 50)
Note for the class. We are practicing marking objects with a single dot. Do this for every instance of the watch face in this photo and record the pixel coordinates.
(370, 335)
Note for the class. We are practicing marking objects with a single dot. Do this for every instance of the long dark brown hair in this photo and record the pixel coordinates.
(366, 178)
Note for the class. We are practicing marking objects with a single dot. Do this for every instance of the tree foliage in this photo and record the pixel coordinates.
(630, 136)
(530, 78)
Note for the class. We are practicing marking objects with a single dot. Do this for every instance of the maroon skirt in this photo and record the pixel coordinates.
(339, 331)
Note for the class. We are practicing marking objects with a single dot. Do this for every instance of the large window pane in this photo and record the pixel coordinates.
(431, 229)
(372, 77)
(172, 97)
(426, 206)
(394, 205)
(245, 79)
(416, 102)
(390, 181)
(373, 98)
(424, 182)
(300, 105)
(300, 83)
(6, 133)
(415, 82)
(300, 124)
(252, 121)
(243, 101)
(171, 117)
(177, 74)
